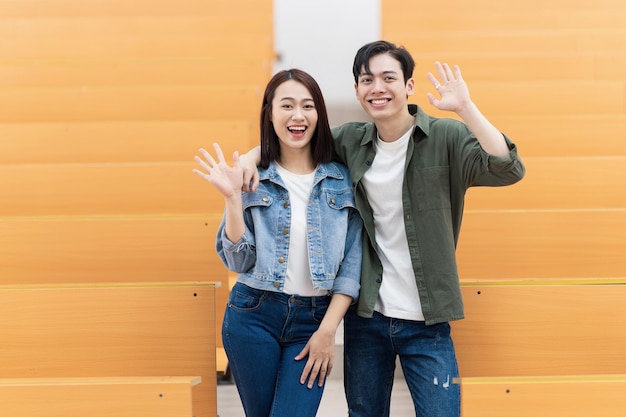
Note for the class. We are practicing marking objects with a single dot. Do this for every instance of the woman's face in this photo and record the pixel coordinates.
(294, 115)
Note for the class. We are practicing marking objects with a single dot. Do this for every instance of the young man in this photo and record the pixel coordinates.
(410, 173)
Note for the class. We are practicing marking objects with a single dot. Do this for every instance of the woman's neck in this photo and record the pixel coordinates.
(296, 161)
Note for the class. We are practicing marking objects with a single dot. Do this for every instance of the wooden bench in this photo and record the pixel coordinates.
(175, 36)
(542, 244)
(98, 397)
(89, 73)
(553, 183)
(126, 142)
(107, 189)
(534, 329)
(138, 8)
(528, 66)
(111, 330)
(549, 135)
(533, 6)
(491, 17)
(507, 41)
(101, 249)
(568, 395)
(130, 103)
(500, 98)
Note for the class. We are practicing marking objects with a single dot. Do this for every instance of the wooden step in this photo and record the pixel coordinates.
(548, 16)
(86, 44)
(525, 66)
(112, 330)
(497, 99)
(542, 244)
(571, 396)
(530, 329)
(103, 249)
(567, 183)
(130, 103)
(80, 250)
(107, 189)
(98, 397)
(460, 6)
(102, 27)
(85, 74)
(136, 8)
(570, 183)
(565, 134)
(506, 41)
(120, 142)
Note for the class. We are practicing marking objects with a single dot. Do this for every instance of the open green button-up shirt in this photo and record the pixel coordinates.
(443, 160)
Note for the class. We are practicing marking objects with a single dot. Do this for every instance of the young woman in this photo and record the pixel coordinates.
(296, 244)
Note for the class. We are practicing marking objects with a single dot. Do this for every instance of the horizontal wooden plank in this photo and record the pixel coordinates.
(130, 103)
(542, 244)
(110, 249)
(111, 331)
(565, 134)
(558, 183)
(460, 6)
(189, 381)
(135, 46)
(160, 72)
(541, 330)
(107, 189)
(120, 142)
(531, 66)
(504, 41)
(136, 8)
(537, 97)
(571, 396)
(527, 18)
(581, 183)
(103, 28)
(97, 397)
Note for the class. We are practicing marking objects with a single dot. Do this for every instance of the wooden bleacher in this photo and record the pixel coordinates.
(113, 340)
(541, 262)
(103, 107)
(97, 397)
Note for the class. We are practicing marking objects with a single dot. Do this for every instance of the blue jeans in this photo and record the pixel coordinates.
(262, 332)
(426, 355)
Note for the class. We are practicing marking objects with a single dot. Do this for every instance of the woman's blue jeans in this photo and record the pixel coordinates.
(262, 332)
(427, 358)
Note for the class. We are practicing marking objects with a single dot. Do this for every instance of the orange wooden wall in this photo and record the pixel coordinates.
(552, 75)
(542, 262)
(103, 105)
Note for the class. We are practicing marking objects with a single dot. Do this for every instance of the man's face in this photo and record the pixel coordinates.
(383, 93)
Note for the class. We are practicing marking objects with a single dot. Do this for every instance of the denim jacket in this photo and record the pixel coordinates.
(334, 230)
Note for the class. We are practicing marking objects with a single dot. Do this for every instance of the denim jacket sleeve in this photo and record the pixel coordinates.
(348, 279)
(238, 256)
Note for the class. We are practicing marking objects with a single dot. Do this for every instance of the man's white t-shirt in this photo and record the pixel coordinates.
(398, 296)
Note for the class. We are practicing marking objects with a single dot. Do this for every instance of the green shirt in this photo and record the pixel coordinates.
(443, 160)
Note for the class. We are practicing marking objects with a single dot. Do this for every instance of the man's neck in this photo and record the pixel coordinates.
(392, 129)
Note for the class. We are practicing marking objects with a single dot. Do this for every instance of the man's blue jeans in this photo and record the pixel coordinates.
(427, 358)
(262, 332)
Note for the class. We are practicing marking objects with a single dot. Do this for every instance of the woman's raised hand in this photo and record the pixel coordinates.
(228, 180)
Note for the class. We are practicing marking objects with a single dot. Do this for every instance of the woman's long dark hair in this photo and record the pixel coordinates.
(322, 144)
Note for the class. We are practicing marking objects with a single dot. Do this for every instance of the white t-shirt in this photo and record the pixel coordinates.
(298, 278)
(398, 296)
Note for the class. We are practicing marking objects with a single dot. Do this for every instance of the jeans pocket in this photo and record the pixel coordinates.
(245, 299)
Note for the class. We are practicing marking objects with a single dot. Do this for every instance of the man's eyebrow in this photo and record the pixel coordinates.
(382, 73)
